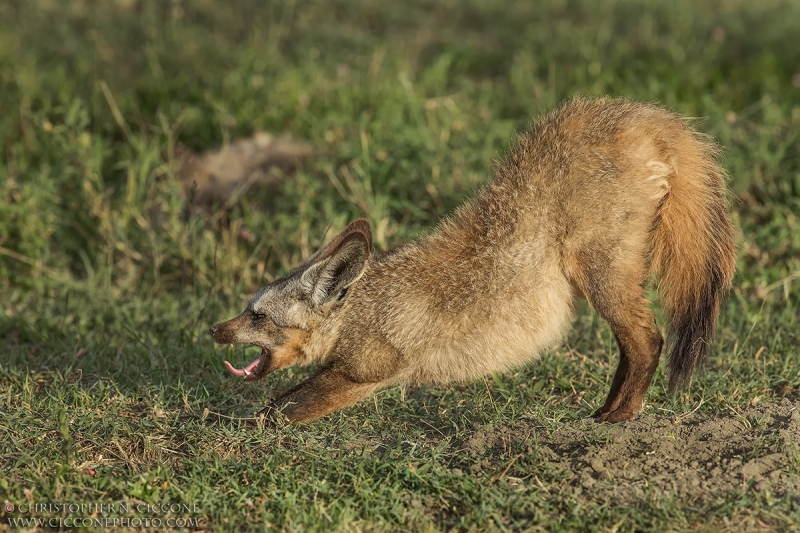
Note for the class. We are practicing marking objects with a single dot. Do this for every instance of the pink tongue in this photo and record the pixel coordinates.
(246, 371)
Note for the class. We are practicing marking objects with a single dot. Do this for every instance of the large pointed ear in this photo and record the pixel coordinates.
(357, 226)
(339, 264)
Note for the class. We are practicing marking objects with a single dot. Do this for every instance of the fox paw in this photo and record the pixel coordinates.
(617, 415)
(268, 418)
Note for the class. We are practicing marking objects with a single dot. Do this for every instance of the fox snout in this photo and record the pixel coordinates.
(218, 333)
(225, 332)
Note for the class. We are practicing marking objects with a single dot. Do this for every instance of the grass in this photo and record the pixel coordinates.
(110, 387)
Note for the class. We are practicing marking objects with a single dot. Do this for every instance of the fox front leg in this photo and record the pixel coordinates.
(327, 391)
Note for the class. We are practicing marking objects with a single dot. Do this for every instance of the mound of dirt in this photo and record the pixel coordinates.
(690, 457)
(224, 175)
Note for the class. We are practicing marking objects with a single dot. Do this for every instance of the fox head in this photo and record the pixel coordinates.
(283, 316)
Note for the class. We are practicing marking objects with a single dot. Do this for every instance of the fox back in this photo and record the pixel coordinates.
(596, 198)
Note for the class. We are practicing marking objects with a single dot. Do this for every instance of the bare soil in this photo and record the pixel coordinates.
(692, 457)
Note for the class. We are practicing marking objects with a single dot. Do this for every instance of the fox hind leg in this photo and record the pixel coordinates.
(640, 349)
(615, 289)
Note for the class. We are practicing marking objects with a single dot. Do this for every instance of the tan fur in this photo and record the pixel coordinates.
(291, 352)
(595, 198)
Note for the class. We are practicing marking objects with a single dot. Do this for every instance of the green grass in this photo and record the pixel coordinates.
(108, 286)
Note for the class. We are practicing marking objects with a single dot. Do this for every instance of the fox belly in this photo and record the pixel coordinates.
(498, 334)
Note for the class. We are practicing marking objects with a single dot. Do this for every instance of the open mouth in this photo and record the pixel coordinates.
(253, 370)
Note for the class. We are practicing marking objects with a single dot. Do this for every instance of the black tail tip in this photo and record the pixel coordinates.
(687, 356)
(678, 381)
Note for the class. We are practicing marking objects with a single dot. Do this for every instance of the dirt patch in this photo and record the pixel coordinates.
(224, 175)
(690, 457)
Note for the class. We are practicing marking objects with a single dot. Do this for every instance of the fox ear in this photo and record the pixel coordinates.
(357, 226)
(339, 264)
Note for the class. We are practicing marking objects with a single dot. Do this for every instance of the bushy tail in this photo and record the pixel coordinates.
(693, 254)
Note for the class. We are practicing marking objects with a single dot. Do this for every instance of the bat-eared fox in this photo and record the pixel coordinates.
(598, 197)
